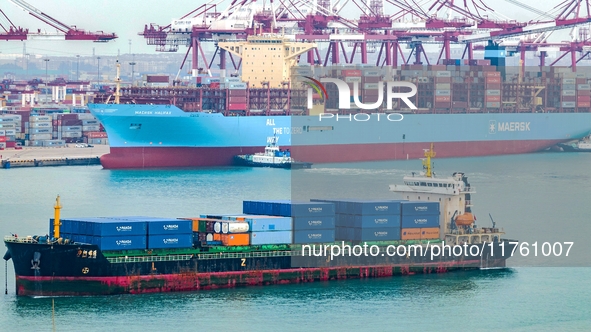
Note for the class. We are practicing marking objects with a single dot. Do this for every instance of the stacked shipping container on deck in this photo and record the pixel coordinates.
(362, 221)
(10, 128)
(128, 233)
(419, 220)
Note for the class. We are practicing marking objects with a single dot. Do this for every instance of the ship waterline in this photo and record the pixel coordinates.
(165, 136)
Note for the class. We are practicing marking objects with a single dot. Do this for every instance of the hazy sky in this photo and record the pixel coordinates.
(127, 17)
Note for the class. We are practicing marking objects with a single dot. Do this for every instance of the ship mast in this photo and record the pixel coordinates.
(117, 84)
(427, 162)
(56, 220)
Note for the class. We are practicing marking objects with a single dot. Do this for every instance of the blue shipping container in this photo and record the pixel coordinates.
(374, 207)
(340, 205)
(375, 221)
(376, 234)
(314, 236)
(420, 221)
(344, 234)
(170, 241)
(269, 223)
(288, 208)
(133, 242)
(419, 208)
(302, 223)
(116, 227)
(279, 237)
(169, 226)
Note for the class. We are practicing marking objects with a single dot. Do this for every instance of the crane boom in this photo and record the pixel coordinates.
(531, 9)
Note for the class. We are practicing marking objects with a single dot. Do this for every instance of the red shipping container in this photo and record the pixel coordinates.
(236, 93)
(237, 100)
(492, 79)
(442, 104)
(10, 144)
(3, 139)
(442, 99)
(581, 81)
(581, 98)
(68, 116)
(584, 104)
(350, 72)
(583, 93)
(236, 107)
(493, 98)
(493, 86)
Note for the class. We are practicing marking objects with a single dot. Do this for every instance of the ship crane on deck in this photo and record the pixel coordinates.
(63, 31)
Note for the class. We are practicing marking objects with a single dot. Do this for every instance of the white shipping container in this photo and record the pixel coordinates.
(584, 87)
(568, 81)
(18, 130)
(443, 73)
(10, 132)
(13, 117)
(40, 131)
(371, 86)
(54, 143)
(2, 145)
(442, 86)
(569, 92)
(71, 128)
(493, 92)
(349, 79)
(11, 138)
(568, 104)
(2, 132)
(91, 128)
(86, 116)
(11, 120)
(371, 73)
(442, 92)
(40, 118)
(5, 125)
(40, 124)
(39, 137)
(71, 134)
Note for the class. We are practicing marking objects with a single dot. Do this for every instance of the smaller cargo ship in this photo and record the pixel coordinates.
(431, 230)
(273, 157)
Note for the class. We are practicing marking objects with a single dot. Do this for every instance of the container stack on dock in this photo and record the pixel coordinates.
(10, 129)
(420, 220)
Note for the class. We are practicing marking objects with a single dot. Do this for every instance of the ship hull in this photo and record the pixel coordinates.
(60, 271)
(142, 136)
(170, 157)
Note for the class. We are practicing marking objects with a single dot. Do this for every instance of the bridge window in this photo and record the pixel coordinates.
(423, 184)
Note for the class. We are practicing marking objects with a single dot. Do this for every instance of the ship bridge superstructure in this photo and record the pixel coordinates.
(454, 195)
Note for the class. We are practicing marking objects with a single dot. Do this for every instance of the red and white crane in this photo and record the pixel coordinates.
(62, 31)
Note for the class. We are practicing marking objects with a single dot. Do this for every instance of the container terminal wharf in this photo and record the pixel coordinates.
(52, 156)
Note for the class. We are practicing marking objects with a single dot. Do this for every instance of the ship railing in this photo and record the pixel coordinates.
(26, 239)
(469, 190)
(249, 254)
(147, 259)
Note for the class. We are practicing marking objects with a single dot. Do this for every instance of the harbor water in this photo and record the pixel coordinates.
(540, 197)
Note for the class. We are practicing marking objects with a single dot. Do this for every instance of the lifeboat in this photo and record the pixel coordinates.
(465, 219)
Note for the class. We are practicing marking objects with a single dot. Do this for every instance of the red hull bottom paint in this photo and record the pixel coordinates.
(155, 157)
(71, 286)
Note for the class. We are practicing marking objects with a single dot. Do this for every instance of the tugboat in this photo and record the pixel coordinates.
(584, 145)
(272, 157)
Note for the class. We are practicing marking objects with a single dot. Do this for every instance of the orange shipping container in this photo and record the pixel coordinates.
(429, 233)
(236, 239)
(217, 237)
(410, 234)
(493, 98)
(442, 98)
(584, 104)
